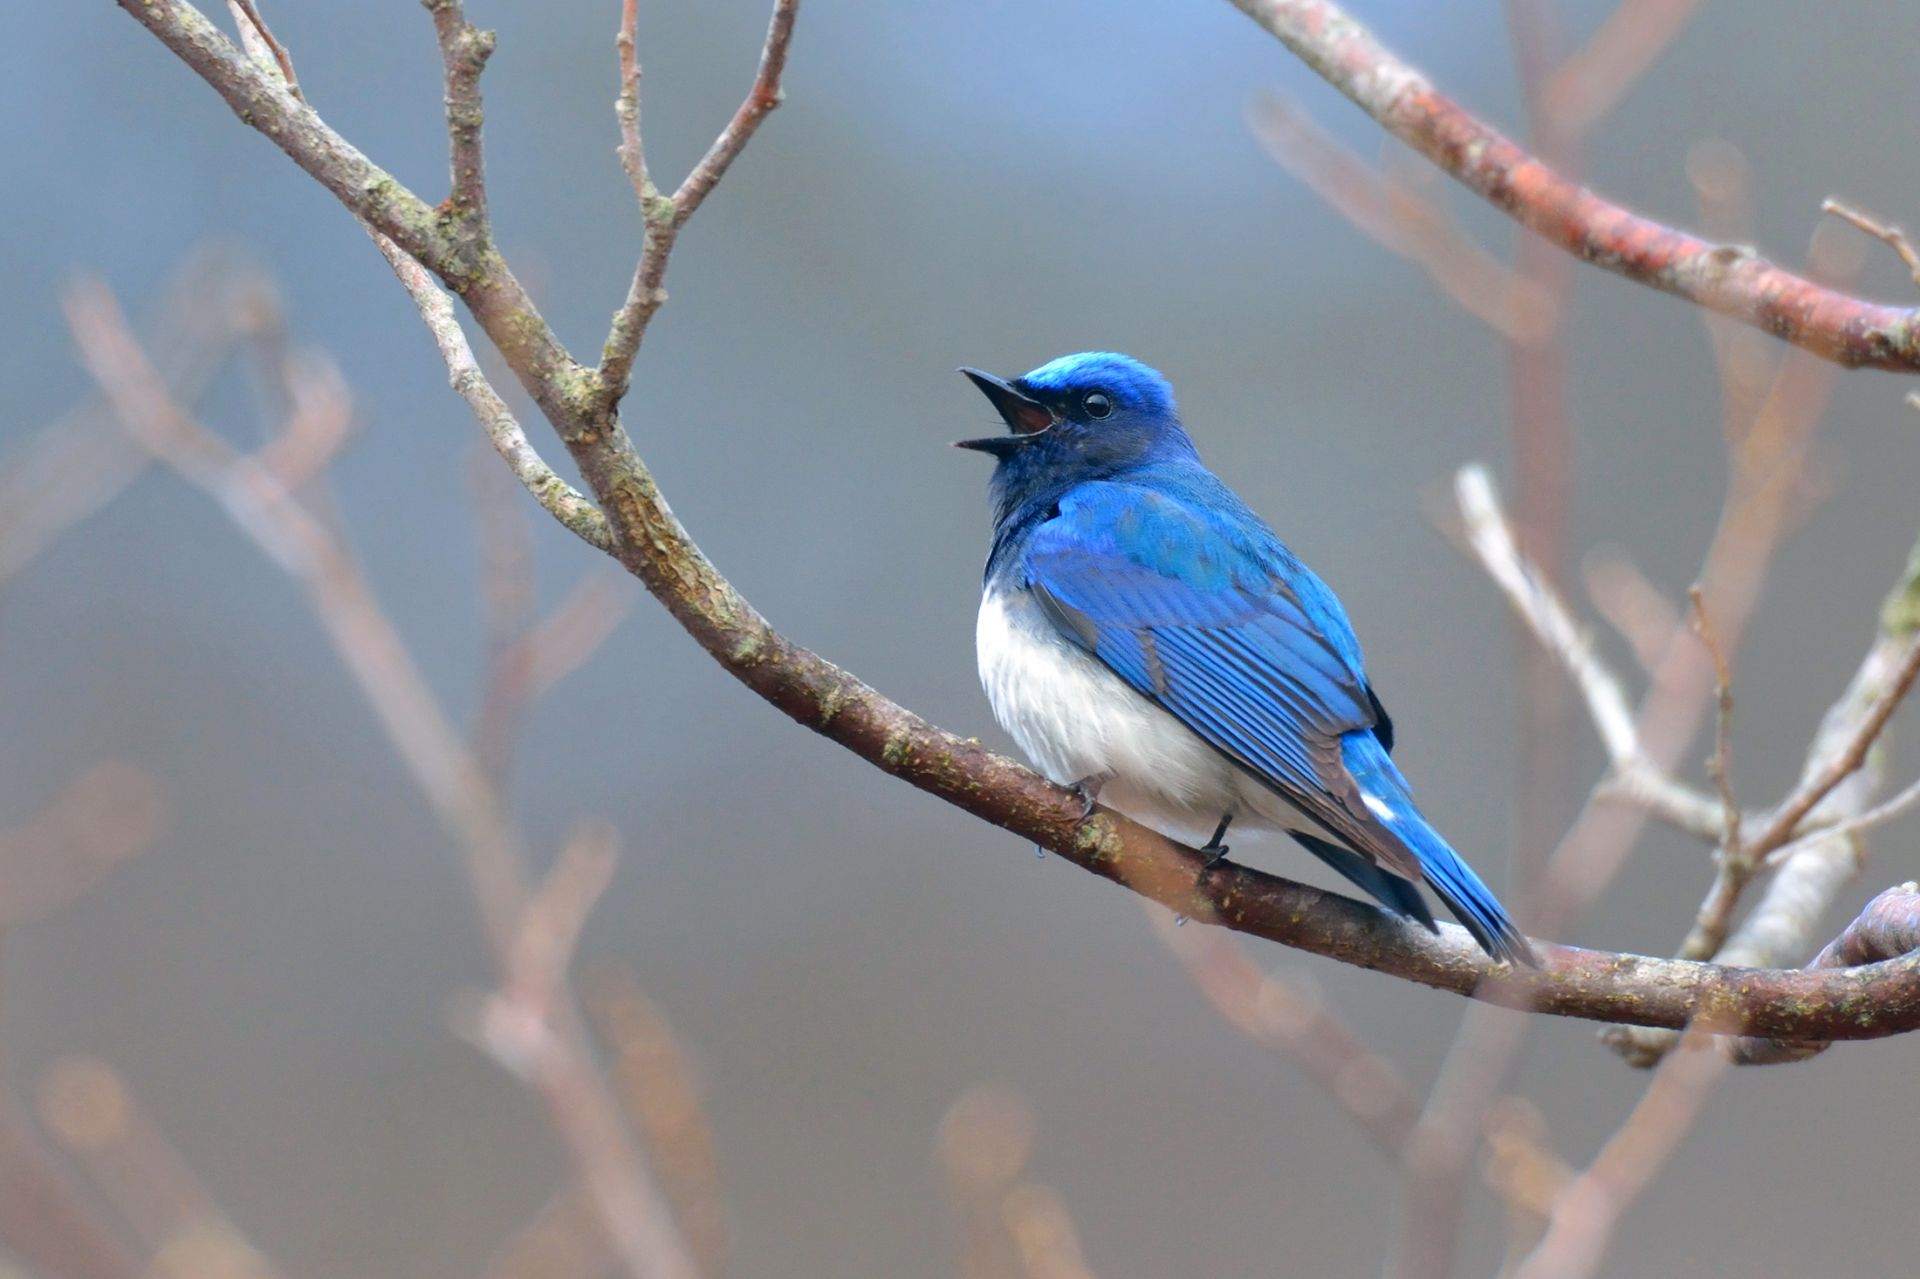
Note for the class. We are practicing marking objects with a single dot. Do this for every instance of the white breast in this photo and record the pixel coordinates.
(1076, 719)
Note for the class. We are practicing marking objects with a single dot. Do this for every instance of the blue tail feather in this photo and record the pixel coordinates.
(1451, 879)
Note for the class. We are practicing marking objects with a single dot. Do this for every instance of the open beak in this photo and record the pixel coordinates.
(1025, 416)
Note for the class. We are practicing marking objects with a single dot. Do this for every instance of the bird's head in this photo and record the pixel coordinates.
(1080, 417)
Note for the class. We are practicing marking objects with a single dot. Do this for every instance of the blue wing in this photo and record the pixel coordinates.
(1238, 640)
(1214, 620)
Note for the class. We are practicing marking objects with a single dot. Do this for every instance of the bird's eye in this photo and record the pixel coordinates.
(1098, 404)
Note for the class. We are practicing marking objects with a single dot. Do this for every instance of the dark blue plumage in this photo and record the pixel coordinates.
(1144, 634)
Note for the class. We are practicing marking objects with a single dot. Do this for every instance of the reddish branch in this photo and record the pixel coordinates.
(1727, 278)
(1852, 1003)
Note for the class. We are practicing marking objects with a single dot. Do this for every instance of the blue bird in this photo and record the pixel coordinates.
(1147, 640)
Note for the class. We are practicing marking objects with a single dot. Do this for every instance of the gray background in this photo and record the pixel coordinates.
(990, 184)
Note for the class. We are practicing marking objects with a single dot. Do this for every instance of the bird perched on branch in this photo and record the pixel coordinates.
(1147, 640)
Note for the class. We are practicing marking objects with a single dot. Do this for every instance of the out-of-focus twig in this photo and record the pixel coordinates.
(529, 665)
(88, 1107)
(438, 758)
(563, 1241)
(1287, 1015)
(1593, 79)
(1400, 220)
(73, 468)
(1010, 1227)
(1584, 1214)
(103, 817)
(1632, 605)
(660, 1090)
(44, 1221)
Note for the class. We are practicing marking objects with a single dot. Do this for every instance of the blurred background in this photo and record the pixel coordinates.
(276, 976)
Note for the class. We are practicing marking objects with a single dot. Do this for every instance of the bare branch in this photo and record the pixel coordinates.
(90, 1110)
(1589, 84)
(247, 11)
(1727, 278)
(1890, 925)
(1891, 236)
(660, 1090)
(633, 155)
(439, 760)
(664, 219)
(1400, 221)
(1588, 1208)
(1840, 764)
(561, 500)
(1783, 923)
(1287, 1015)
(464, 51)
(762, 97)
(1634, 772)
(105, 816)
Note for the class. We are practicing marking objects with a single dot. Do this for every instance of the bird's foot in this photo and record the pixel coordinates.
(1216, 852)
(1087, 791)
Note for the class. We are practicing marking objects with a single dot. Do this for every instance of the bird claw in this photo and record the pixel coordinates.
(1216, 852)
(1087, 791)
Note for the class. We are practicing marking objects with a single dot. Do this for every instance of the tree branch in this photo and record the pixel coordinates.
(1890, 925)
(1730, 279)
(561, 500)
(664, 217)
(1634, 772)
(464, 51)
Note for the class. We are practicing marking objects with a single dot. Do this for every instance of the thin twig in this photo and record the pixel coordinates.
(633, 155)
(664, 218)
(281, 58)
(1592, 80)
(444, 768)
(560, 499)
(1399, 220)
(1288, 1016)
(1898, 806)
(1885, 232)
(1634, 773)
(1720, 766)
(1587, 1210)
(1785, 822)
(464, 50)
(1780, 927)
